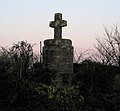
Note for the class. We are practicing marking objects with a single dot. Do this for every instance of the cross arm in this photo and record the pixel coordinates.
(52, 24)
(61, 23)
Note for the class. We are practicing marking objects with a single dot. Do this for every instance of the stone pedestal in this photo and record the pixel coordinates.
(58, 57)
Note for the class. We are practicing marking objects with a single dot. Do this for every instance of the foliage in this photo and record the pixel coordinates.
(99, 85)
(68, 99)
(95, 86)
(5, 61)
(22, 57)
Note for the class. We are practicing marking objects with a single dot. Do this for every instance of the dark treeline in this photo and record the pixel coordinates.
(26, 86)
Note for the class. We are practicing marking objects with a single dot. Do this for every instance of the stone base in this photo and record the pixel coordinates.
(58, 57)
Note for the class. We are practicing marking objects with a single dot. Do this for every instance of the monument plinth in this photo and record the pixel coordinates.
(58, 53)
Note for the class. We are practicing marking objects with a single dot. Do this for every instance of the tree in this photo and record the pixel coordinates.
(81, 55)
(22, 57)
(108, 47)
(5, 61)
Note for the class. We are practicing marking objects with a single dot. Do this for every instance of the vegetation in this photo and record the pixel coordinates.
(108, 46)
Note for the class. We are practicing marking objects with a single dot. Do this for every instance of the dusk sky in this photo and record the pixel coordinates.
(29, 20)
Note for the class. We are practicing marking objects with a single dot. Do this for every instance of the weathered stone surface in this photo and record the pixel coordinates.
(58, 56)
(57, 25)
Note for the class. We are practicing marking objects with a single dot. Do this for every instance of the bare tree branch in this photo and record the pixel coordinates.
(109, 46)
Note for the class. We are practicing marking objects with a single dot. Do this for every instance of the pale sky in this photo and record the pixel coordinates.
(29, 20)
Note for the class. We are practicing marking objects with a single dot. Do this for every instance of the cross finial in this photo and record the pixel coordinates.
(57, 25)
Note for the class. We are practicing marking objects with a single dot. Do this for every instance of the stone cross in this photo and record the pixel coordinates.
(57, 25)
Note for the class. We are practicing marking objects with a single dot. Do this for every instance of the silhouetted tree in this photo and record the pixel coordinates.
(108, 47)
(81, 55)
(22, 57)
(5, 61)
